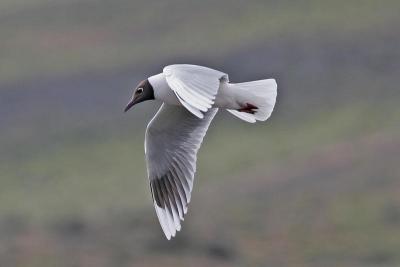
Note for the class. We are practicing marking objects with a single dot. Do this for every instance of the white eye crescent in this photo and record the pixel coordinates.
(139, 90)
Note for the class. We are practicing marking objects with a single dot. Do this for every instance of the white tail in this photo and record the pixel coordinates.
(261, 94)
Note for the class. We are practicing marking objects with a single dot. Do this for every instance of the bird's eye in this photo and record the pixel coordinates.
(139, 90)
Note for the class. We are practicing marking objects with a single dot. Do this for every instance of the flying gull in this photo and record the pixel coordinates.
(191, 96)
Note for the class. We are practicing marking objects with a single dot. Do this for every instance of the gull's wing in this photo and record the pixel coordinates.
(173, 138)
(195, 86)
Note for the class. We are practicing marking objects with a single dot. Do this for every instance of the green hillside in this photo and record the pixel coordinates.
(316, 185)
(46, 38)
(324, 191)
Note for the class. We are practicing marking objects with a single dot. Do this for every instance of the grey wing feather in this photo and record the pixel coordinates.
(173, 138)
(195, 86)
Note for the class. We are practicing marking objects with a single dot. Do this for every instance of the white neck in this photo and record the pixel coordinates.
(159, 84)
(161, 89)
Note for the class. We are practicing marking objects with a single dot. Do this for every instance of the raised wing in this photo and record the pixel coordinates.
(173, 138)
(195, 86)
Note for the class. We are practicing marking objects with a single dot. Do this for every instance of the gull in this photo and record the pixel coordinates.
(191, 96)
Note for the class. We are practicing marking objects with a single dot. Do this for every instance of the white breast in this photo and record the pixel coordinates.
(162, 91)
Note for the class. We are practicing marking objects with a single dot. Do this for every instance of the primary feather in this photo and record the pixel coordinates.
(173, 138)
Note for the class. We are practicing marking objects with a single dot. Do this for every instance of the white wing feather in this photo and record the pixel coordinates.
(195, 86)
(173, 138)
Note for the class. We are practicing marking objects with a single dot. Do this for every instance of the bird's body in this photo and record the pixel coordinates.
(226, 97)
(191, 96)
(229, 95)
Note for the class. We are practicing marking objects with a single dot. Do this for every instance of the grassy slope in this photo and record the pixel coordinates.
(303, 190)
(111, 167)
(317, 191)
(61, 37)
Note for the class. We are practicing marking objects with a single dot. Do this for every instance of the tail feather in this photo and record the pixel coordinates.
(243, 116)
(261, 94)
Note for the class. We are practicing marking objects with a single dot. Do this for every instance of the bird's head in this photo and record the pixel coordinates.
(143, 91)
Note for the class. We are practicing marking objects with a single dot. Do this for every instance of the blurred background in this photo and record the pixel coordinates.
(316, 185)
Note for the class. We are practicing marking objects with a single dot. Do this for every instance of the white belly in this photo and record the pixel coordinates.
(226, 97)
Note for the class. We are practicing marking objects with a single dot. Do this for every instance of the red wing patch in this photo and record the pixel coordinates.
(248, 108)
